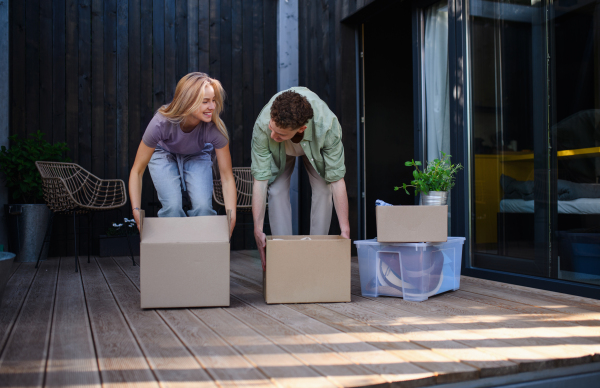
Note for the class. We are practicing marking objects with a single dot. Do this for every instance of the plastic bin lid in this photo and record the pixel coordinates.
(374, 241)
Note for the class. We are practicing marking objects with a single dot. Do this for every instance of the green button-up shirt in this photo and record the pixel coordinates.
(322, 143)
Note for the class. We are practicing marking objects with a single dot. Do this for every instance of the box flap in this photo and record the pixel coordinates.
(185, 229)
(296, 238)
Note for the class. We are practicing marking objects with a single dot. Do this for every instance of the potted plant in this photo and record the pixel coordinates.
(30, 215)
(434, 182)
(111, 245)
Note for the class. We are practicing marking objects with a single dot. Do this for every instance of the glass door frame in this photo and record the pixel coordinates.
(545, 163)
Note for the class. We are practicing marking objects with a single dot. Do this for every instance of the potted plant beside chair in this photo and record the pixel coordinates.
(434, 182)
(27, 213)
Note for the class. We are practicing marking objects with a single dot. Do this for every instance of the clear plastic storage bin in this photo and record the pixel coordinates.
(413, 271)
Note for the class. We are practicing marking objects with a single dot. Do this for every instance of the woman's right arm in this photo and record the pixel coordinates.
(142, 158)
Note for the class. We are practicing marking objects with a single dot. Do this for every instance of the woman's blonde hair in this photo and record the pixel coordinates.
(188, 97)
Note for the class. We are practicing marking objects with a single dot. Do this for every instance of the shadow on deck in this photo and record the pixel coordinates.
(61, 328)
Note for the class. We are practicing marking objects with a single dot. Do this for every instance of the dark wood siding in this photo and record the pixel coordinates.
(93, 72)
(328, 67)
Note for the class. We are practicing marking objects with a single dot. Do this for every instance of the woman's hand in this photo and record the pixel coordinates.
(227, 182)
(143, 156)
(231, 222)
(136, 217)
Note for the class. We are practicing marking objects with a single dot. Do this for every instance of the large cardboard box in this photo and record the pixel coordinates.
(307, 271)
(184, 262)
(412, 223)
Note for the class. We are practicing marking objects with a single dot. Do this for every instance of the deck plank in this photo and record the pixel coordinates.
(23, 360)
(493, 327)
(550, 347)
(71, 344)
(340, 370)
(282, 367)
(89, 330)
(447, 370)
(15, 292)
(15, 266)
(549, 296)
(584, 324)
(224, 364)
(515, 300)
(577, 340)
(526, 359)
(488, 364)
(120, 359)
(388, 366)
(170, 361)
(445, 360)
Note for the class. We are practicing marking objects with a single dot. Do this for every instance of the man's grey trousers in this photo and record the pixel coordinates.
(280, 208)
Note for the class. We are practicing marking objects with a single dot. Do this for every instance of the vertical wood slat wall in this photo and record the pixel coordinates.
(93, 72)
(328, 67)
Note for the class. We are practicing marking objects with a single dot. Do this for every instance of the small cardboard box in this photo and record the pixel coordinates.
(307, 271)
(184, 261)
(412, 223)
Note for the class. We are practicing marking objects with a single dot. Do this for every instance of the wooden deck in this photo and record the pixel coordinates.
(61, 328)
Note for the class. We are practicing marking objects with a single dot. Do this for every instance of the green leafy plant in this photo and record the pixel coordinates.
(127, 228)
(438, 176)
(18, 165)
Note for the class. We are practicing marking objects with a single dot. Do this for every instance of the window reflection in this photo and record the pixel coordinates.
(535, 118)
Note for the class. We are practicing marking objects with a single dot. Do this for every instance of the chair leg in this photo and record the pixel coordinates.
(75, 238)
(46, 239)
(90, 217)
(130, 251)
(127, 238)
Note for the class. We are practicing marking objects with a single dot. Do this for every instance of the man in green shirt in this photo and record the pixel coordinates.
(296, 122)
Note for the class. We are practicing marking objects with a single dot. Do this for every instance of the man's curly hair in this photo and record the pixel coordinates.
(291, 110)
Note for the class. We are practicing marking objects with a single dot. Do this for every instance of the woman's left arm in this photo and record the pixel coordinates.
(228, 182)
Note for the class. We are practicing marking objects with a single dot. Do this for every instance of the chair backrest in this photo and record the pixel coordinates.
(68, 186)
(243, 184)
(56, 192)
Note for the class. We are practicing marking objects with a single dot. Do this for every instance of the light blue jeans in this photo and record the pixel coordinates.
(193, 173)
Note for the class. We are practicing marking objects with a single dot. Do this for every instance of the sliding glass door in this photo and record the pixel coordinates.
(535, 136)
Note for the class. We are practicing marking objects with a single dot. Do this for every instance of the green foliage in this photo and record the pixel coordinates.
(18, 165)
(438, 176)
(127, 228)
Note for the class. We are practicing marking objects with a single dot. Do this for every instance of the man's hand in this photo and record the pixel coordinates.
(261, 243)
(340, 200)
(259, 199)
(346, 233)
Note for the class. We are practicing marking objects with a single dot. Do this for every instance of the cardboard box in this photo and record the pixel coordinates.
(412, 223)
(184, 261)
(307, 271)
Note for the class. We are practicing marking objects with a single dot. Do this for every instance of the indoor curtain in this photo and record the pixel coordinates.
(436, 80)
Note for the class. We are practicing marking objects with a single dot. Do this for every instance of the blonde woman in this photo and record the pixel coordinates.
(177, 147)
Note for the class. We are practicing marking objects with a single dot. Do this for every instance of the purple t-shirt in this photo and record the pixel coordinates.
(170, 137)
